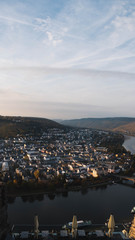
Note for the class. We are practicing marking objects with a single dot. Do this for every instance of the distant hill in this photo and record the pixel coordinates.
(58, 120)
(121, 124)
(11, 126)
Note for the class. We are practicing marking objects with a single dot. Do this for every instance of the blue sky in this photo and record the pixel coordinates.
(67, 59)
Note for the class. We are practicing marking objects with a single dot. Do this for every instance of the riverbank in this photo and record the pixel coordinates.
(19, 192)
(18, 228)
(56, 231)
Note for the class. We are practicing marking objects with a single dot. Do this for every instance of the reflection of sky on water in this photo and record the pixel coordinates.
(129, 144)
(95, 205)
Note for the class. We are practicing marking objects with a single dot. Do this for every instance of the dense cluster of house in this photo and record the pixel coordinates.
(72, 153)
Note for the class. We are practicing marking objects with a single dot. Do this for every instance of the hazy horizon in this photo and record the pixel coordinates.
(62, 119)
(68, 59)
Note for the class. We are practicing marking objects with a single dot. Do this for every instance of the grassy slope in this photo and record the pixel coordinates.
(116, 124)
(130, 127)
(11, 126)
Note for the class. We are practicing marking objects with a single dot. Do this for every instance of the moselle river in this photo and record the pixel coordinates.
(92, 204)
(129, 144)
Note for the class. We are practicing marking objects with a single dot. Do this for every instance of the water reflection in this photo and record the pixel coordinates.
(65, 194)
(103, 187)
(84, 191)
(51, 196)
(37, 197)
(30, 198)
(11, 199)
(94, 204)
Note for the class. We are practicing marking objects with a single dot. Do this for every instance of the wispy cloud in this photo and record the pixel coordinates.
(72, 52)
(14, 20)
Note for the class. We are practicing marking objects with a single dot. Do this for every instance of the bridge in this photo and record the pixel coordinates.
(132, 179)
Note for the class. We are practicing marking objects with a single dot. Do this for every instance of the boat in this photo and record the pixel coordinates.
(80, 223)
(133, 210)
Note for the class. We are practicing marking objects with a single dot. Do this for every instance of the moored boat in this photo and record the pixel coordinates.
(80, 223)
(133, 210)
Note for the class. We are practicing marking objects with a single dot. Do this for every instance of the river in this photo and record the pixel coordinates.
(93, 204)
(129, 144)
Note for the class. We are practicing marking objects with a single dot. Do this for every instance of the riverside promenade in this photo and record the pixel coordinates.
(50, 232)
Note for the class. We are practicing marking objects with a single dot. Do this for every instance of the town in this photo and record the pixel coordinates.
(62, 157)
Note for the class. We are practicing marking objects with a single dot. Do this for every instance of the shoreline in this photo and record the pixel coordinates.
(128, 138)
(61, 190)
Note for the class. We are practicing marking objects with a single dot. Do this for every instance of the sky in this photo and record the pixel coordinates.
(65, 59)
